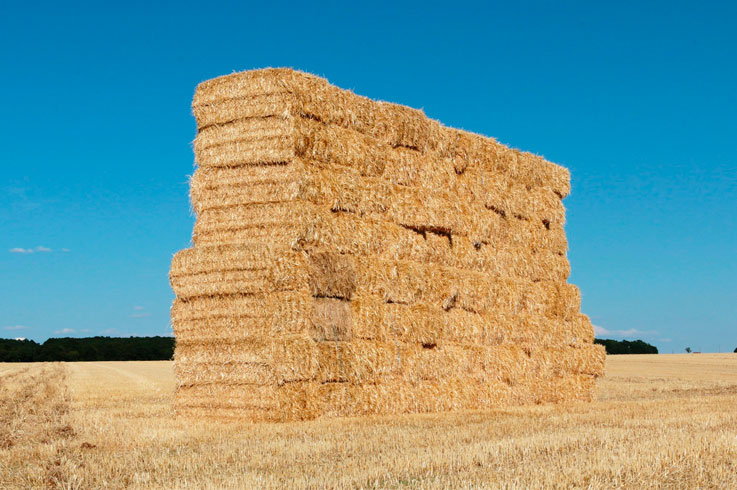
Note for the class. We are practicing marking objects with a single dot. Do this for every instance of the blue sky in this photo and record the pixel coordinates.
(638, 100)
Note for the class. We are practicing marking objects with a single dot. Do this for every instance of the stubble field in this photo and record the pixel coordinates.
(667, 421)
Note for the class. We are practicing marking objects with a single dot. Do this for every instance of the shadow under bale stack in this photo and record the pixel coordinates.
(355, 257)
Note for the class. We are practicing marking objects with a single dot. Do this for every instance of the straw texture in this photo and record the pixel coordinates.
(355, 257)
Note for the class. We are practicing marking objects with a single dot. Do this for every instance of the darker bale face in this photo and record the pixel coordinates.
(332, 276)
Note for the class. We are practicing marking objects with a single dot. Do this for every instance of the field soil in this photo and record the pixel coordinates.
(660, 421)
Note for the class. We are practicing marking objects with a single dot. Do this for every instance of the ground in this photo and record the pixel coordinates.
(667, 421)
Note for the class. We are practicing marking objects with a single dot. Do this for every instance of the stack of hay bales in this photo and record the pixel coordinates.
(355, 257)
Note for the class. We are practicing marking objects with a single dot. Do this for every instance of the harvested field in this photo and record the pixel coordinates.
(664, 421)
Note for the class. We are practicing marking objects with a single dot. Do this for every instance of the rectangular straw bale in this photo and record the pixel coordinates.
(325, 145)
(273, 150)
(230, 282)
(211, 395)
(241, 327)
(520, 263)
(250, 129)
(272, 279)
(258, 106)
(355, 361)
(206, 179)
(477, 228)
(248, 194)
(582, 359)
(247, 84)
(331, 275)
(582, 329)
(537, 172)
(226, 270)
(226, 257)
(407, 168)
(197, 373)
(552, 237)
(555, 390)
(238, 317)
(291, 358)
(254, 350)
(283, 234)
(506, 363)
(538, 204)
(242, 142)
(259, 214)
(212, 412)
(287, 305)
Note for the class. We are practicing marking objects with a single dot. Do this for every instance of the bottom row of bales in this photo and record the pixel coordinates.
(309, 400)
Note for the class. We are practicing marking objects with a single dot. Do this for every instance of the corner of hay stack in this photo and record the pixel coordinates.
(356, 257)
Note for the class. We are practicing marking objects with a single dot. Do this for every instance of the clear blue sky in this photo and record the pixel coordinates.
(640, 102)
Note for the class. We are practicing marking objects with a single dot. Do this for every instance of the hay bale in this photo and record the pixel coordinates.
(355, 257)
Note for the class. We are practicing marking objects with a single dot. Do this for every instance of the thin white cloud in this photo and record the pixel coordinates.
(38, 249)
(20, 197)
(629, 333)
(64, 331)
(139, 313)
(20, 338)
(600, 330)
(19, 250)
(15, 327)
(109, 331)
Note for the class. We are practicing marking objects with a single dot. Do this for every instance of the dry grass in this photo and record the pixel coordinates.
(661, 421)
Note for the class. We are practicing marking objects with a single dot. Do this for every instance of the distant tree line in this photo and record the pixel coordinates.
(88, 349)
(626, 346)
(162, 348)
